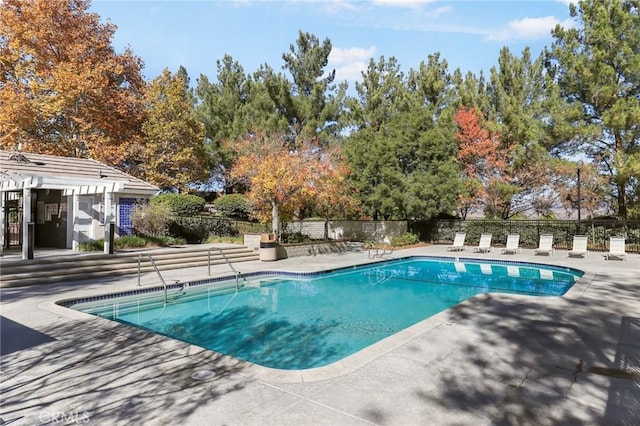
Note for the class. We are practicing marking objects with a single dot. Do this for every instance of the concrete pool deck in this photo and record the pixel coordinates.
(494, 359)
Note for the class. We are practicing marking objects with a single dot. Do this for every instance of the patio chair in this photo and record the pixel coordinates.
(458, 242)
(513, 244)
(616, 248)
(579, 247)
(485, 244)
(546, 245)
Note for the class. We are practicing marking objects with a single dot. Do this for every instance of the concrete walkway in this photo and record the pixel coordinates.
(495, 359)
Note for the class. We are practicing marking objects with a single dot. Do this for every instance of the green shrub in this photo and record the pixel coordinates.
(180, 204)
(196, 229)
(295, 237)
(233, 205)
(151, 219)
(246, 227)
(130, 241)
(238, 239)
(404, 240)
(93, 245)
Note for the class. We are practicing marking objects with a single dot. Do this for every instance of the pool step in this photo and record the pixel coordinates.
(84, 266)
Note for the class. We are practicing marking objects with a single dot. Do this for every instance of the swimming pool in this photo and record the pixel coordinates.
(295, 321)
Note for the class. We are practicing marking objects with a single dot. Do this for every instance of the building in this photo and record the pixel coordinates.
(59, 202)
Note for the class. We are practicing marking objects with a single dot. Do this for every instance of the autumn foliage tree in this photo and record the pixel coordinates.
(334, 194)
(593, 188)
(484, 160)
(281, 179)
(173, 153)
(63, 88)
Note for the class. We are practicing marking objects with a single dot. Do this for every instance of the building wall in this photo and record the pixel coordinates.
(126, 205)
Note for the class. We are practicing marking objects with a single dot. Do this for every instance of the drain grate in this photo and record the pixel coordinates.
(203, 375)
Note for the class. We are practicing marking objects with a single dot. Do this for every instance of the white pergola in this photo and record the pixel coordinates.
(75, 188)
(74, 177)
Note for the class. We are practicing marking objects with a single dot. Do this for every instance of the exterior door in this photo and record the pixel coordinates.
(85, 219)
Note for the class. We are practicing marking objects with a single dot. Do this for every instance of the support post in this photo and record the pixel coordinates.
(579, 209)
(3, 222)
(108, 238)
(27, 243)
(75, 244)
(31, 232)
(109, 227)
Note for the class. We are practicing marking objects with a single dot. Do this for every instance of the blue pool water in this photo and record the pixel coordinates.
(312, 320)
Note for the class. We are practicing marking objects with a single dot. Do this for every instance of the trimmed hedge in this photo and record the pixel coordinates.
(181, 204)
(233, 205)
(196, 229)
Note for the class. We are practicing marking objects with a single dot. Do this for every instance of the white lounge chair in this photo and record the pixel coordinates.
(579, 247)
(485, 244)
(546, 245)
(513, 244)
(617, 248)
(458, 242)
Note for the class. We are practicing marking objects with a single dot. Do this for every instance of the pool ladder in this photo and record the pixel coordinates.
(226, 259)
(153, 263)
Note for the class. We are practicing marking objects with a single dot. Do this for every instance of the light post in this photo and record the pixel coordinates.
(578, 170)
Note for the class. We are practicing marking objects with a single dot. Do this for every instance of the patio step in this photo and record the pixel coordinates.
(84, 266)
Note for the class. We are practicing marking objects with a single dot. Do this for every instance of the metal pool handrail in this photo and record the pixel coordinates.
(153, 263)
(226, 259)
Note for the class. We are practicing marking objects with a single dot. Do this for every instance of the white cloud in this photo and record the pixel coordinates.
(330, 6)
(350, 62)
(434, 13)
(529, 29)
(337, 6)
(402, 3)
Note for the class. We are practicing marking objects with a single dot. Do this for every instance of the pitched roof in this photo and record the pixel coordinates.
(64, 172)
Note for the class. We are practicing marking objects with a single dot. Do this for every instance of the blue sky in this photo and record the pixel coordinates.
(468, 34)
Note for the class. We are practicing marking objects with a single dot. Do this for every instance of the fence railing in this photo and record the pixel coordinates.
(597, 231)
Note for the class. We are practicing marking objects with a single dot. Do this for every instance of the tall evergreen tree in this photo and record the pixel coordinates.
(312, 103)
(427, 145)
(381, 95)
(470, 91)
(597, 67)
(519, 114)
(402, 153)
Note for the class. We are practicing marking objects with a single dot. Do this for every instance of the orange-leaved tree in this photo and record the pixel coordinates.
(63, 88)
(593, 188)
(484, 160)
(334, 194)
(281, 179)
